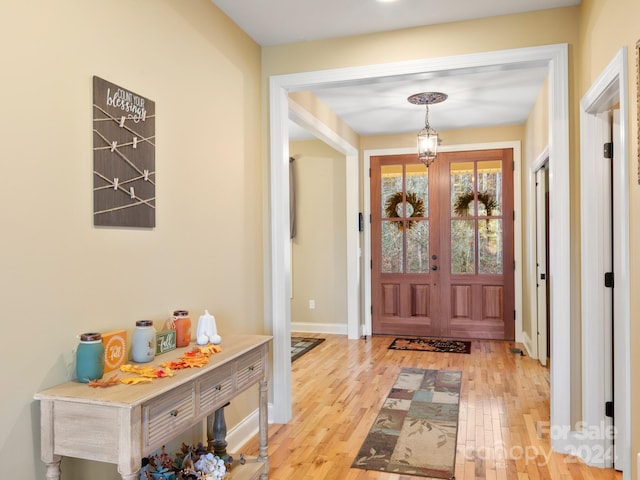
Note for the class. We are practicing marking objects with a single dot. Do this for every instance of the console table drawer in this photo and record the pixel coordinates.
(216, 389)
(250, 368)
(166, 415)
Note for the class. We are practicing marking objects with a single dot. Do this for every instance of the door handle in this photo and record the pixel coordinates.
(434, 267)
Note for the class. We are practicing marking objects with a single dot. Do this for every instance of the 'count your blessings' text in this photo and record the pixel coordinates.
(127, 102)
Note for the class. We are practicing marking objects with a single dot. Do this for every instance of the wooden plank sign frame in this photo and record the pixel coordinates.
(123, 157)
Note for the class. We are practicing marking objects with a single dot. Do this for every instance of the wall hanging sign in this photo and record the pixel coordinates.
(123, 157)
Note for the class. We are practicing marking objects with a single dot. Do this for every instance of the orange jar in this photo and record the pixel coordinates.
(182, 324)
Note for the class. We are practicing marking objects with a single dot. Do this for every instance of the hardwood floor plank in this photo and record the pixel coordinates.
(340, 385)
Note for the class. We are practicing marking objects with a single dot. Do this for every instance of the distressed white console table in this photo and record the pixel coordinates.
(123, 423)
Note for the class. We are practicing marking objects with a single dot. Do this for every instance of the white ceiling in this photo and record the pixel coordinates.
(276, 22)
(477, 97)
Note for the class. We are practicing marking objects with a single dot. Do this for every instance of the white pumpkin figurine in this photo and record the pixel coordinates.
(207, 332)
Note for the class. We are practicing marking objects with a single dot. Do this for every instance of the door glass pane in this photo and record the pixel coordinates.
(463, 247)
(462, 191)
(391, 184)
(418, 247)
(490, 188)
(418, 189)
(391, 243)
(490, 246)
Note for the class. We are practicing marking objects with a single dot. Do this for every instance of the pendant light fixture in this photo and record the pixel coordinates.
(427, 137)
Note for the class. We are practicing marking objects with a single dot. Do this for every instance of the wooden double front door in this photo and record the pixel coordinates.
(442, 245)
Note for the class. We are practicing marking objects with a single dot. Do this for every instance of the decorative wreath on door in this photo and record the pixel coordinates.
(461, 206)
(391, 208)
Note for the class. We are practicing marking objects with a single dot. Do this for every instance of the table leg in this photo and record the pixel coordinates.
(130, 474)
(217, 432)
(263, 426)
(53, 469)
(51, 460)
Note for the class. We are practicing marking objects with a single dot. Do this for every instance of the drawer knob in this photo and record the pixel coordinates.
(174, 413)
(252, 368)
(218, 387)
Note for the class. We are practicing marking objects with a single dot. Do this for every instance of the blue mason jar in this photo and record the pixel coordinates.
(143, 342)
(90, 357)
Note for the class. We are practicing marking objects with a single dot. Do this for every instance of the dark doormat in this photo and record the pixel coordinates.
(431, 345)
(301, 345)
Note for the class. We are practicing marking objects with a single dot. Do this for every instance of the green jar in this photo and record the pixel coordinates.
(90, 357)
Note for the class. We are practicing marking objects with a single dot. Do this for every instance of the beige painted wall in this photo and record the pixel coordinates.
(607, 26)
(61, 276)
(319, 257)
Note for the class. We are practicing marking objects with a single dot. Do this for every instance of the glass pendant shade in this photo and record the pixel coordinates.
(427, 137)
(427, 145)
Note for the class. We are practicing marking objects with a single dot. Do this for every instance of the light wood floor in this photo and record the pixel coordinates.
(339, 386)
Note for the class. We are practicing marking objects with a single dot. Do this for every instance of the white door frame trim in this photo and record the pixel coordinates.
(609, 89)
(278, 314)
(517, 230)
(531, 343)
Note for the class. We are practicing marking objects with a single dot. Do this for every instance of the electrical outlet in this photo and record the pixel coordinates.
(312, 304)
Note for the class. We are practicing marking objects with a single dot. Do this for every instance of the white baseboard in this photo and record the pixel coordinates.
(580, 444)
(244, 431)
(335, 328)
(528, 345)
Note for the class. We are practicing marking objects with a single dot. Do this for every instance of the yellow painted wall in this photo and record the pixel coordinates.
(61, 276)
(319, 257)
(324, 115)
(496, 33)
(607, 26)
(449, 137)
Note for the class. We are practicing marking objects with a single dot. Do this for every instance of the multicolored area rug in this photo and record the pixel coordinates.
(431, 345)
(416, 430)
(301, 345)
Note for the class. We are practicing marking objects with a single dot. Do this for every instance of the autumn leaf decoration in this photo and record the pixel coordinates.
(198, 357)
(144, 374)
(135, 380)
(104, 382)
